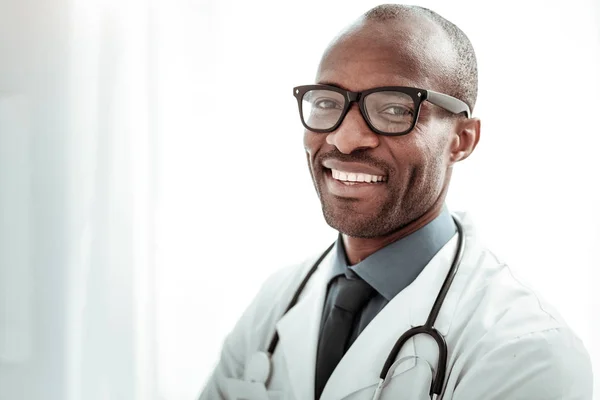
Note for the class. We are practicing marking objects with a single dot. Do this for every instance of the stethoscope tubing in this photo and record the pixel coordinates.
(428, 328)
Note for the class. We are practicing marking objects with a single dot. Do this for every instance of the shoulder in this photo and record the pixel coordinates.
(511, 343)
(256, 326)
(509, 338)
(282, 283)
(258, 321)
(495, 298)
(542, 364)
(498, 305)
(508, 305)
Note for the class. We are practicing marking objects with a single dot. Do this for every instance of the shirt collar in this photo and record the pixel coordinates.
(394, 267)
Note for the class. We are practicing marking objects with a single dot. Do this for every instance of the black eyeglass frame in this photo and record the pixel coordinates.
(447, 102)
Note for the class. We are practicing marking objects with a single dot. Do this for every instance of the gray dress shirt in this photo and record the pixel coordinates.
(390, 269)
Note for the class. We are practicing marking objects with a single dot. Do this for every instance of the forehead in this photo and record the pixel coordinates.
(410, 52)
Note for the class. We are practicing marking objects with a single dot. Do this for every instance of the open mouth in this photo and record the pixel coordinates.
(355, 178)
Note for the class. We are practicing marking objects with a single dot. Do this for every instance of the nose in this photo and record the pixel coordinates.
(353, 133)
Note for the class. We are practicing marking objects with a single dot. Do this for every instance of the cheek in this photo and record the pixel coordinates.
(419, 160)
(411, 151)
(313, 142)
(307, 142)
(432, 145)
(311, 146)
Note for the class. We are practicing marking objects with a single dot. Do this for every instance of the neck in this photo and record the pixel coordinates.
(357, 249)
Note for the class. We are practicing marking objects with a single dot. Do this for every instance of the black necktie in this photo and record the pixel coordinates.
(352, 296)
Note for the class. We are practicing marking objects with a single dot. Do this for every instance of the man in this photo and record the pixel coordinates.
(384, 125)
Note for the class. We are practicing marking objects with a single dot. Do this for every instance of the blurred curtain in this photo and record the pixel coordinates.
(33, 199)
(77, 177)
(110, 326)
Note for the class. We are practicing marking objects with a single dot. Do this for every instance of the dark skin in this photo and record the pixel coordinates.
(417, 166)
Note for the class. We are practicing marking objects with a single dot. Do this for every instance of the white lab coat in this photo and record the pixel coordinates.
(504, 342)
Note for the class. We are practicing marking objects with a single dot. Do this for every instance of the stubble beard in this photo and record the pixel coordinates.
(393, 213)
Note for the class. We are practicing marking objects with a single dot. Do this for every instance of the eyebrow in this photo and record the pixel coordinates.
(328, 83)
(332, 84)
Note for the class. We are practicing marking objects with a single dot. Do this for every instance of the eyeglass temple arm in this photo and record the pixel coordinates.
(448, 103)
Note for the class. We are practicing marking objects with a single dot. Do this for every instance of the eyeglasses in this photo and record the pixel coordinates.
(389, 111)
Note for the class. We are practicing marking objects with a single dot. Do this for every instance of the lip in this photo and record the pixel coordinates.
(353, 167)
(354, 190)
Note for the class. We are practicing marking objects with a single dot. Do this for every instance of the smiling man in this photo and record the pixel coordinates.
(406, 304)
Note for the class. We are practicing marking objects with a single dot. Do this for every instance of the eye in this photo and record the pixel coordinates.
(326, 104)
(397, 110)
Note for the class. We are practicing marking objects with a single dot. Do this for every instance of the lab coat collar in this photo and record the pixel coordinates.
(394, 267)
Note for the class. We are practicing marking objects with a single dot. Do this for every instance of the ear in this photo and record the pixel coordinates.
(465, 139)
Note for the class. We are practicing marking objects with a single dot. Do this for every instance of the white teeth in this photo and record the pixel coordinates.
(355, 177)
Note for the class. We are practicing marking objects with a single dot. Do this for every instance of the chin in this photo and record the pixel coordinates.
(354, 224)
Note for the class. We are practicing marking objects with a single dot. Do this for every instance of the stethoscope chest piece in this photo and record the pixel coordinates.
(258, 368)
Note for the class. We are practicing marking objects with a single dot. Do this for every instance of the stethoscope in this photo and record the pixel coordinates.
(258, 369)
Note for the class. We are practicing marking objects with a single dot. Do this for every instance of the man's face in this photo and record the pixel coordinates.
(414, 167)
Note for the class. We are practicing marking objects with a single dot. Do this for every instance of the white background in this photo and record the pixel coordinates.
(148, 187)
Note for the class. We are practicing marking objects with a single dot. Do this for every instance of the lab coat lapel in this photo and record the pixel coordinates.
(435, 277)
(363, 362)
(299, 329)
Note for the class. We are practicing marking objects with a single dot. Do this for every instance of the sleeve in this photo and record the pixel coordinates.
(547, 365)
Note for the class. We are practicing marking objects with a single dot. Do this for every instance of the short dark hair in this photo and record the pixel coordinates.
(462, 84)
